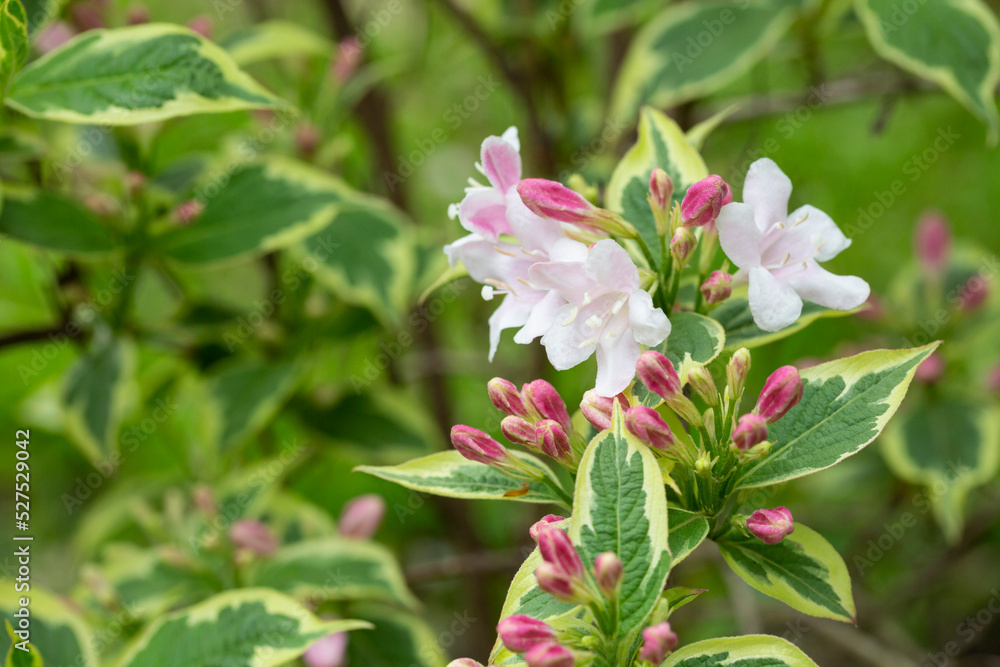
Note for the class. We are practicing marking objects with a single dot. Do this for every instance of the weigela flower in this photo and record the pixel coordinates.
(606, 311)
(521, 633)
(782, 391)
(932, 241)
(779, 253)
(361, 516)
(771, 525)
(599, 409)
(657, 641)
(330, 651)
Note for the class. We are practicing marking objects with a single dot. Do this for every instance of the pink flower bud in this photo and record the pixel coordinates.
(736, 372)
(608, 571)
(518, 431)
(137, 15)
(201, 25)
(543, 398)
(521, 633)
(330, 651)
(750, 430)
(54, 35)
(477, 446)
(555, 201)
(657, 641)
(974, 293)
(188, 211)
(464, 662)
(682, 245)
(349, 52)
(703, 384)
(253, 536)
(658, 374)
(772, 525)
(307, 138)
(872, 309)
(718, 287)
(204, 500)
(781, 393)
(556, 548)
(703, 201)
(993, 379)
(361, 516)
(87, 16)
(932, 241)
(598, 409)
(661, 189)
(551, 439)
(646, 424)
(506, 397)
(549, 654)
(930, 369)
(555, 582)
(547, 521)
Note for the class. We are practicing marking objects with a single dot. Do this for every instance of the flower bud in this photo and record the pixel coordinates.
(201, 25)
(330, 651)
(464, 662)
(547, 521)
(598, 409)
(771, 525)
(518, 431)
(608, 571)
(974, 293)
(54, 35)
(555, 582)
(718, 287)
(703, 201)
(307, 138)
(930, 369)
(646, 424)
(477, 446)
(349, 55)
(682, 245)
(657, 641)
(781, 393)
(505, 396)
(736, 372)
(932, 241)
(549, 654)
(188, 211)
(555, 201)
(750, 430)
(543, 398)
(137, 15)
(661, 189)
(253, 536)
(551, 439)
(703, 384)
(87, 16)
(361, 516)
(658, 374)
(204, 500)
(521, 633)
(556, 548)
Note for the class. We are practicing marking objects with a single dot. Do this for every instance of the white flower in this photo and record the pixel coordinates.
(778, 253)
(605, 311)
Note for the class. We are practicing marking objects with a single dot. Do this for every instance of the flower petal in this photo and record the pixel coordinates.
(610, 265)
(501, 163)
(570, 279)
(739, 236)
(616, 359)
(828, 289)
(768, 190)
(569, 341)
(484, 211)
(773, 302)
(512, 312)
(535, 233)
(650, 325)
(543, 314)
(817, 223)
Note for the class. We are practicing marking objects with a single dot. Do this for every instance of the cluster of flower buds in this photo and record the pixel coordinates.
(553, 200)
(537, 417)
(771, 525)
(561, 573)
(657, 372)
(657, 641)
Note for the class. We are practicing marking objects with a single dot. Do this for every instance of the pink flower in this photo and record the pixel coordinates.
(543, 398)
(599, 409)
(253, 536)
(477, 446)
(718, 287)
(657, 641)
(779, 253)
(750, 431)
(330, 651)
(781, 393)
(557, 549)
(361, 516)
(547, 521)
(703, 201)
(930, 369)
(657, 372)
(606, 311)
(646, 424)
(932, 241)
(549, 654)
(551, 439)
(505, 396)
(521, 633)
(771, 525)
(608, 572)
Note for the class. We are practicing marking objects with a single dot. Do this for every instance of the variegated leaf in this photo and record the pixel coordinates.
(251, 627)
(661, 143)
(132, 75)
(13, 40)
(735, 317)
(954, 43)
(620, 506)
(274, 39)
(746, 651)
(802, 570)
(60, 634)
(248, 395)
(687, 531)
(694, 340)
(452, 475)
(845, 405)
(25, 655)
(52, 222)
(397, 639)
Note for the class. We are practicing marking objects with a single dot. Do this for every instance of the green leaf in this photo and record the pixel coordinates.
(274, 39)
(96, 390)
(954, 43)
(132, 75)
(620, 506)
(28, 656)
(949, 446)
(735, 317)
(397, 640)
(53, 222)
(661, 143)
(696, 135)
(692, 49)
(248, 395)
(249, 626)
(687, 531)
(746, 651)
(802, 570)
(845, 405)
(694, 340)
(262, 207)
(366, 256)
(57, 632)
(13, 40)
(334, 568)
(604, 16)
(451, 475)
